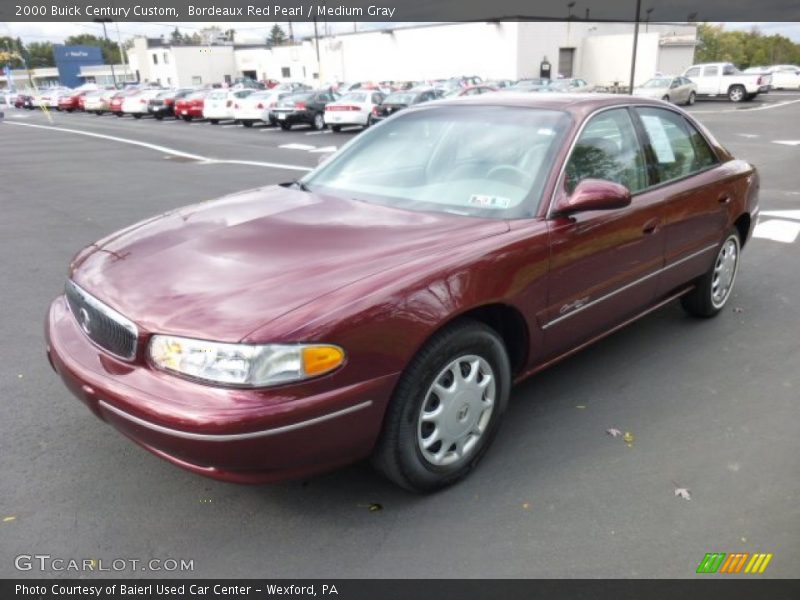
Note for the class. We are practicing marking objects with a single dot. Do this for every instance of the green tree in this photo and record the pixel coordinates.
(744, 48)
(176, 37)
(40, 55)
(11, 52)
(111, 54)
(277, 36)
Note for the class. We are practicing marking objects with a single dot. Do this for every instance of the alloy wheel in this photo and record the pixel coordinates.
(724, 272)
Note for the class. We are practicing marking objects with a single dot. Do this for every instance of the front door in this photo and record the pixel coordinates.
(604, 265)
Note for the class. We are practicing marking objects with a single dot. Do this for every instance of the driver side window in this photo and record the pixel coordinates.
(608, 149)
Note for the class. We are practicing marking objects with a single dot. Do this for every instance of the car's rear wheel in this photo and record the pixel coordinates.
(187, 118)
(336, 128)
(137, 115)
(713, 289)
(736, 93)
(665, 98)
(247, 123)
(286, 126)
(119, 114)
(692, 98)
(319, 122)
(370, 121)
(158, 117)
(446, 408)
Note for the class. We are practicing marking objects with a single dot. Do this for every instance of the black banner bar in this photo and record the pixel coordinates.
(705, 588)
(397, 11)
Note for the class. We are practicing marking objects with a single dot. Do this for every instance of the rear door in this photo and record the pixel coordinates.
(696, 196)
(604, 263)
(708, 82)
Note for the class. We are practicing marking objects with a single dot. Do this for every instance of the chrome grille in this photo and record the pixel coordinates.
(102, 324)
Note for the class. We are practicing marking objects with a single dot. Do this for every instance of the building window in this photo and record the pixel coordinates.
(169, 80)
(197, 80)
(286, 72)
(155, 59)
(166, 58)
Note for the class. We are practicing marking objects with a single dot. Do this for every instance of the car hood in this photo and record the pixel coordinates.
(221, 269)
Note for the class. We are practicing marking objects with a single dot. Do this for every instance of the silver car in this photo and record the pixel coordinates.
(678, 90)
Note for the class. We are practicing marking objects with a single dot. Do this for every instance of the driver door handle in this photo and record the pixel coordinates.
(651, 226)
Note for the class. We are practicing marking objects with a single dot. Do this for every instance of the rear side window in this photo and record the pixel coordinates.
(710, 71)
(608, 149)
(679, 149)
(693, 72)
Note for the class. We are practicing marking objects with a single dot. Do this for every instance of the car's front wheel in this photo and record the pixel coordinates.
(691, 99)
(713, 289)
(319, 122)
(446, 408)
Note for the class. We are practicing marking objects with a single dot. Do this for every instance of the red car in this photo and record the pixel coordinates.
(191, 106)
(71, 102)
(384, 304)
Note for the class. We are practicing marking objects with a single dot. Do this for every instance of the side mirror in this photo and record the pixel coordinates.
(594, 194)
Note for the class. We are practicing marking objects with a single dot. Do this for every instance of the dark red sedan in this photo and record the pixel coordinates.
(383, 305)
(190, 106)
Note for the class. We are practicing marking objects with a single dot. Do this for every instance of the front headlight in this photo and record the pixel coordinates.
(248, 365)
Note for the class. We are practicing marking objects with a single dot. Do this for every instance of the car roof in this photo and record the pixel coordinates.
(576, 104)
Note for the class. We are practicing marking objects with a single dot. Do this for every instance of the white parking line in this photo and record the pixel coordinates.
(324, 149)
(297, 147)
(323, 132)
(744, 110)
(787, 142)
(164, 149)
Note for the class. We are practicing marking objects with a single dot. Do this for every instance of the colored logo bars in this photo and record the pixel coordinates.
(719, 562)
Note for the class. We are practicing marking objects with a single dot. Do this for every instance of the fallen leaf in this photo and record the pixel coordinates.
(375, 507)
(683, 493)
(526, 506)
(628, 438)
(613, 432)
(9, 519)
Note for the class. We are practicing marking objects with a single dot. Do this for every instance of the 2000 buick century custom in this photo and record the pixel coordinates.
(384, 304)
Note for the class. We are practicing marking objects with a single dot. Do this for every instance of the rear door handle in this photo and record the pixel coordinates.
(724, 199)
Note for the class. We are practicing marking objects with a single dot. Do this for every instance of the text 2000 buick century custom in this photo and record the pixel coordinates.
(384, 305)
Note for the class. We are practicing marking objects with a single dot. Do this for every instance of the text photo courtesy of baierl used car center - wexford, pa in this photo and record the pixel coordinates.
(383, 300)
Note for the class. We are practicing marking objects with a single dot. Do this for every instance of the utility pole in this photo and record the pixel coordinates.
(635, 43)
(103, 22)
(122, 52)
(316, 44)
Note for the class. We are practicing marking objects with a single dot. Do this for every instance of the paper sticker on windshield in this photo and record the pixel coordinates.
(659, 140)
(483, 201)
(545, 131)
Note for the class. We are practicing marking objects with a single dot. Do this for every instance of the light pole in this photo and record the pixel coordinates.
(647, 19)
(103, 22)
(635, 43)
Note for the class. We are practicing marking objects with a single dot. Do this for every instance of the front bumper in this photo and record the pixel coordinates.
(238, 435)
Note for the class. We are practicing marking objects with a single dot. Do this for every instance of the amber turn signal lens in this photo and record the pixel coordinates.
(321, 359)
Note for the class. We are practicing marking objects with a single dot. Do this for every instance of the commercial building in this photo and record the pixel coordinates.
(70, 60)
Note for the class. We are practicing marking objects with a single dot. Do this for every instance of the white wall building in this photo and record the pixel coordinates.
(597, 52)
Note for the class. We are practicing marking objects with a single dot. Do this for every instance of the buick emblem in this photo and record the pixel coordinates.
(84, 319)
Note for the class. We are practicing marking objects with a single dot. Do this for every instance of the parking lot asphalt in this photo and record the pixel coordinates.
(713, 405)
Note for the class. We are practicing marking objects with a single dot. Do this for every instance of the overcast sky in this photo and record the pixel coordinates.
(56, 32)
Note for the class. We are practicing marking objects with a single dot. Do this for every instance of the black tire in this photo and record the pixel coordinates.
(247, 123)
(665, 98)
(158, 117)
(319, 122)
(691, 99)
(701, 301)
(137, 115)
(370, 121)
(398, 454)
(187, 118)
(737, 93)
(336, 128)
(119, 114)
(286, 126)
(214, 121)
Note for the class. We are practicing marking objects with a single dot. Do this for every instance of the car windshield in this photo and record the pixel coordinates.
(400, 98)
(484, 161)
(196, 95)
(659, 82)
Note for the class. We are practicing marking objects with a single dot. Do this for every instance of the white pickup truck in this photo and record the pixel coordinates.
(724, 79)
